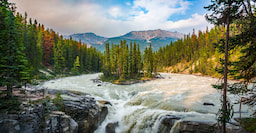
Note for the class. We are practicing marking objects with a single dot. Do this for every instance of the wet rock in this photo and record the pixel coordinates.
(60, 122)
(99, 85)
(169, 120)
(197, 127)
(30, 123)
(9, 126)
(110, 128)
(86, 112)
(204, 127)
(31, 118)
(166, 123)
(82, 114)
(159, 76)
(96, 80)
(208, 104)
(133, 93)
(28, 120)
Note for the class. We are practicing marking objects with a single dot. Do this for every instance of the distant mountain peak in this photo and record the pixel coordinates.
(88, 38)
(150, 34)
(157, 38)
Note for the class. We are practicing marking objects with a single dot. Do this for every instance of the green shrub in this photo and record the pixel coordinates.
(58, 101)
(10, 105)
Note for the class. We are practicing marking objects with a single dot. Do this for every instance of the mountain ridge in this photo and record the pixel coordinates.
(157, 38)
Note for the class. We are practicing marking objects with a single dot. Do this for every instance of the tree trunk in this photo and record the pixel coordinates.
(9, 91)
(225, 78)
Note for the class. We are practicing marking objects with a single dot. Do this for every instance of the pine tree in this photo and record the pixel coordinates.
(13, 62)
(107, 63)
(125, 58)
(224, 12)
(245, 41)
(130, 61)
(76, 66)
(138, 61)
(59, 60)
(134, 59)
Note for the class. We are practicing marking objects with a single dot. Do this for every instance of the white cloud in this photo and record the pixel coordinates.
(196, 21)
(114, 12)
(69, 17)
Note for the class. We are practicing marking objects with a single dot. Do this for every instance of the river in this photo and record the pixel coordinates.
(139, 107)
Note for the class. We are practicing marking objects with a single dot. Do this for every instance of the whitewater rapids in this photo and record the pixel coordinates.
(139, 107)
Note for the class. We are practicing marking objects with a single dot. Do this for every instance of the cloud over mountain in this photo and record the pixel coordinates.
(112, 17)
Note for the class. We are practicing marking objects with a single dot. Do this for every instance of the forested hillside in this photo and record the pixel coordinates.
(46, 48)
(198, 53)
(27, 48)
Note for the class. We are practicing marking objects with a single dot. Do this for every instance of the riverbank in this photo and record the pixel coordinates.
(46, 110)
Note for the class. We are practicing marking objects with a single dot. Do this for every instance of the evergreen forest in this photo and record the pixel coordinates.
(28, 47)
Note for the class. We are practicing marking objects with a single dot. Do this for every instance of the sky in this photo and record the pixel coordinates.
(110, 18)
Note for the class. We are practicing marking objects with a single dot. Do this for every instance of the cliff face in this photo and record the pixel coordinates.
(80, 113)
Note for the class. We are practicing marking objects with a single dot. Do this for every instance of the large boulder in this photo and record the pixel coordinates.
(30, 118)
(60, 122)
(9, 126)
(167, 122)
(197, 127)
(81, 113)
(86, 112)
(110, 127)
(176, 125)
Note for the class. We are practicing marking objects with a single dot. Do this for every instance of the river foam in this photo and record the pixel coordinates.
(139, 107)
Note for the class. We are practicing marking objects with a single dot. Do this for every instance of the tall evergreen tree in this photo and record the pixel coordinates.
(246, 66)
(224, 12)
(13, 62)
(138, 60)
(59, 60)
(76, 66)
(107, 65)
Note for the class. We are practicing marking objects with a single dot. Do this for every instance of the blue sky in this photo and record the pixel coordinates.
(111, 18)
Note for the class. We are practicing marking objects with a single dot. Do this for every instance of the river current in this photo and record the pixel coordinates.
(140, 107)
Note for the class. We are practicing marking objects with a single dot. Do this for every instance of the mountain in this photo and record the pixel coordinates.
(88, 38)
(151, 34)
(157, 38)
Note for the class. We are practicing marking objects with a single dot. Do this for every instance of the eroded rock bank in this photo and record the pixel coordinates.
(174, 124)
(79, 113)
